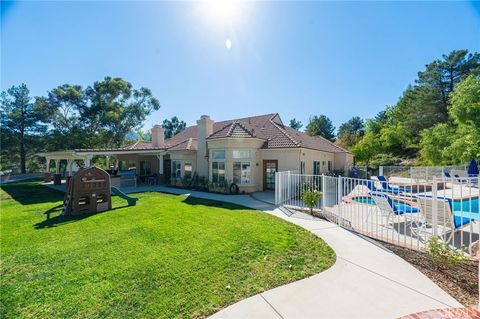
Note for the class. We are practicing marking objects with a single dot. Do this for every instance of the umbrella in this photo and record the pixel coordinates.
(472, 168)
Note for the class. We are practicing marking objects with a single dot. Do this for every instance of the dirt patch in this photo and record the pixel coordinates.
(461, 282)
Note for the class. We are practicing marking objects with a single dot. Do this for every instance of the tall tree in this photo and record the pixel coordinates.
(444, 74)
(63, 104)
(296, 125)
(321, 126)
(173, 126)
(114, 108)
(350, 132)
(21, 120)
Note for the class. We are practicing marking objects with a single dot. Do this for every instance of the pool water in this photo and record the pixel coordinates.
(466, 205)
(364, 200)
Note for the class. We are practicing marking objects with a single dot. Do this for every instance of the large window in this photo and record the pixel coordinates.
(241, 154)
(176, 169)
(187, 170)
(242, 172)
(218, 172)
(302, 167)
(316, 167)
(218, 154)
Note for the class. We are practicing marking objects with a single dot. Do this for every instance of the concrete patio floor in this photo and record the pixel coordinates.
(367, 281)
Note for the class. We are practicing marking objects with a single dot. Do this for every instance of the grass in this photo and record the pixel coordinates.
(169, 256)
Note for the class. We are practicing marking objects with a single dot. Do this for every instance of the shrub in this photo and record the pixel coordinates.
(443, 253)
(311, 198)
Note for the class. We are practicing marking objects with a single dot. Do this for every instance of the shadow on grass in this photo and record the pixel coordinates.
(30, 192)
(60, 219)
(190, 200)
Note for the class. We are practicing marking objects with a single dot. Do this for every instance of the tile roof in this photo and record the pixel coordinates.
(267, 127)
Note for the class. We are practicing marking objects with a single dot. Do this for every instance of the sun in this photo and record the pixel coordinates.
(223, 11)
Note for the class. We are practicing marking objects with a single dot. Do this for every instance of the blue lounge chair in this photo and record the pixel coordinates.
(385, 185)
(371, 185)
(392, 208)
(397, 207)
(448, 218)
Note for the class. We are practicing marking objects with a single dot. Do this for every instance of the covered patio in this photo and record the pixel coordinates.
(127, 168)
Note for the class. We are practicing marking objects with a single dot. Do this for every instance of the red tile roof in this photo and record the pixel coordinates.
(268, 127)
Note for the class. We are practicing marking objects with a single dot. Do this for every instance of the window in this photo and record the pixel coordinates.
(242, 172)
(241, 154)
(316, 167)
(219, 154)
(218, 172)
(176, 169)
(145, 168)
(187, 170)
(329, 166)
(302, 167)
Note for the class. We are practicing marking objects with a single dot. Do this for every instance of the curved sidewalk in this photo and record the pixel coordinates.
(367, 281)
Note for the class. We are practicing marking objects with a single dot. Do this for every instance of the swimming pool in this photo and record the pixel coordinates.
(364, 200)
(466, 205)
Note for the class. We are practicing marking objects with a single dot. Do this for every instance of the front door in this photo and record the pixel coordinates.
(270, 167)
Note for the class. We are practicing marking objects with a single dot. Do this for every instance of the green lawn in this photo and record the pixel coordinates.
(169, 256)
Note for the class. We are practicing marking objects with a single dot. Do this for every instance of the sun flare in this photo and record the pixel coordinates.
(225, 11)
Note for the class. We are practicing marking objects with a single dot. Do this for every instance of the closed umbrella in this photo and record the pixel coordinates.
(472, 168)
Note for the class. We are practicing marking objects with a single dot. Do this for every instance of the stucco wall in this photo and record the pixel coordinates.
(343, 161)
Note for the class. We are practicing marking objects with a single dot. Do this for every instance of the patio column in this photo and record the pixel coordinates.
(69, 166)
(57, 166)
(47, 177)
(47, 165)
(88, 160)
(107, 161)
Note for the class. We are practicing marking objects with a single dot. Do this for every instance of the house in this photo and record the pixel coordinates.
(246, 151)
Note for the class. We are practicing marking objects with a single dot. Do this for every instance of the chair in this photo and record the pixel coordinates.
(371, 186)
(383, 180)
(449, 221)
(391, 207)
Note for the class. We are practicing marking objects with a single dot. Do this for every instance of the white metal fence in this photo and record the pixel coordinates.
(405, 214)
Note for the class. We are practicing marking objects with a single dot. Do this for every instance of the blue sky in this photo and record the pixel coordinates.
(294, 58)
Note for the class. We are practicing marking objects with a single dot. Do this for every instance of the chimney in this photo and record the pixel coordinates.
(158, 137)
(204, 130)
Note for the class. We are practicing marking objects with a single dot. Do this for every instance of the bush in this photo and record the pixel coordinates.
(443, 253)
(311, 198)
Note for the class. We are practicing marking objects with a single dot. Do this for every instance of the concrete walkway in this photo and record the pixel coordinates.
(367, 281)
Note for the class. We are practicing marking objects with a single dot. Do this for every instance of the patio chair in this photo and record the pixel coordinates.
(385, 185)
(449, 222)
(371, 185)
(390, 207)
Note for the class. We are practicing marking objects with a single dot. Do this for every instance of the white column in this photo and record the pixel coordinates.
(108, 161)
(88, 160)
(47, 165)
(57, 166)
(69, 167)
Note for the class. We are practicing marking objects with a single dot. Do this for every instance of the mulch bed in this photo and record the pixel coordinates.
(461, 282)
